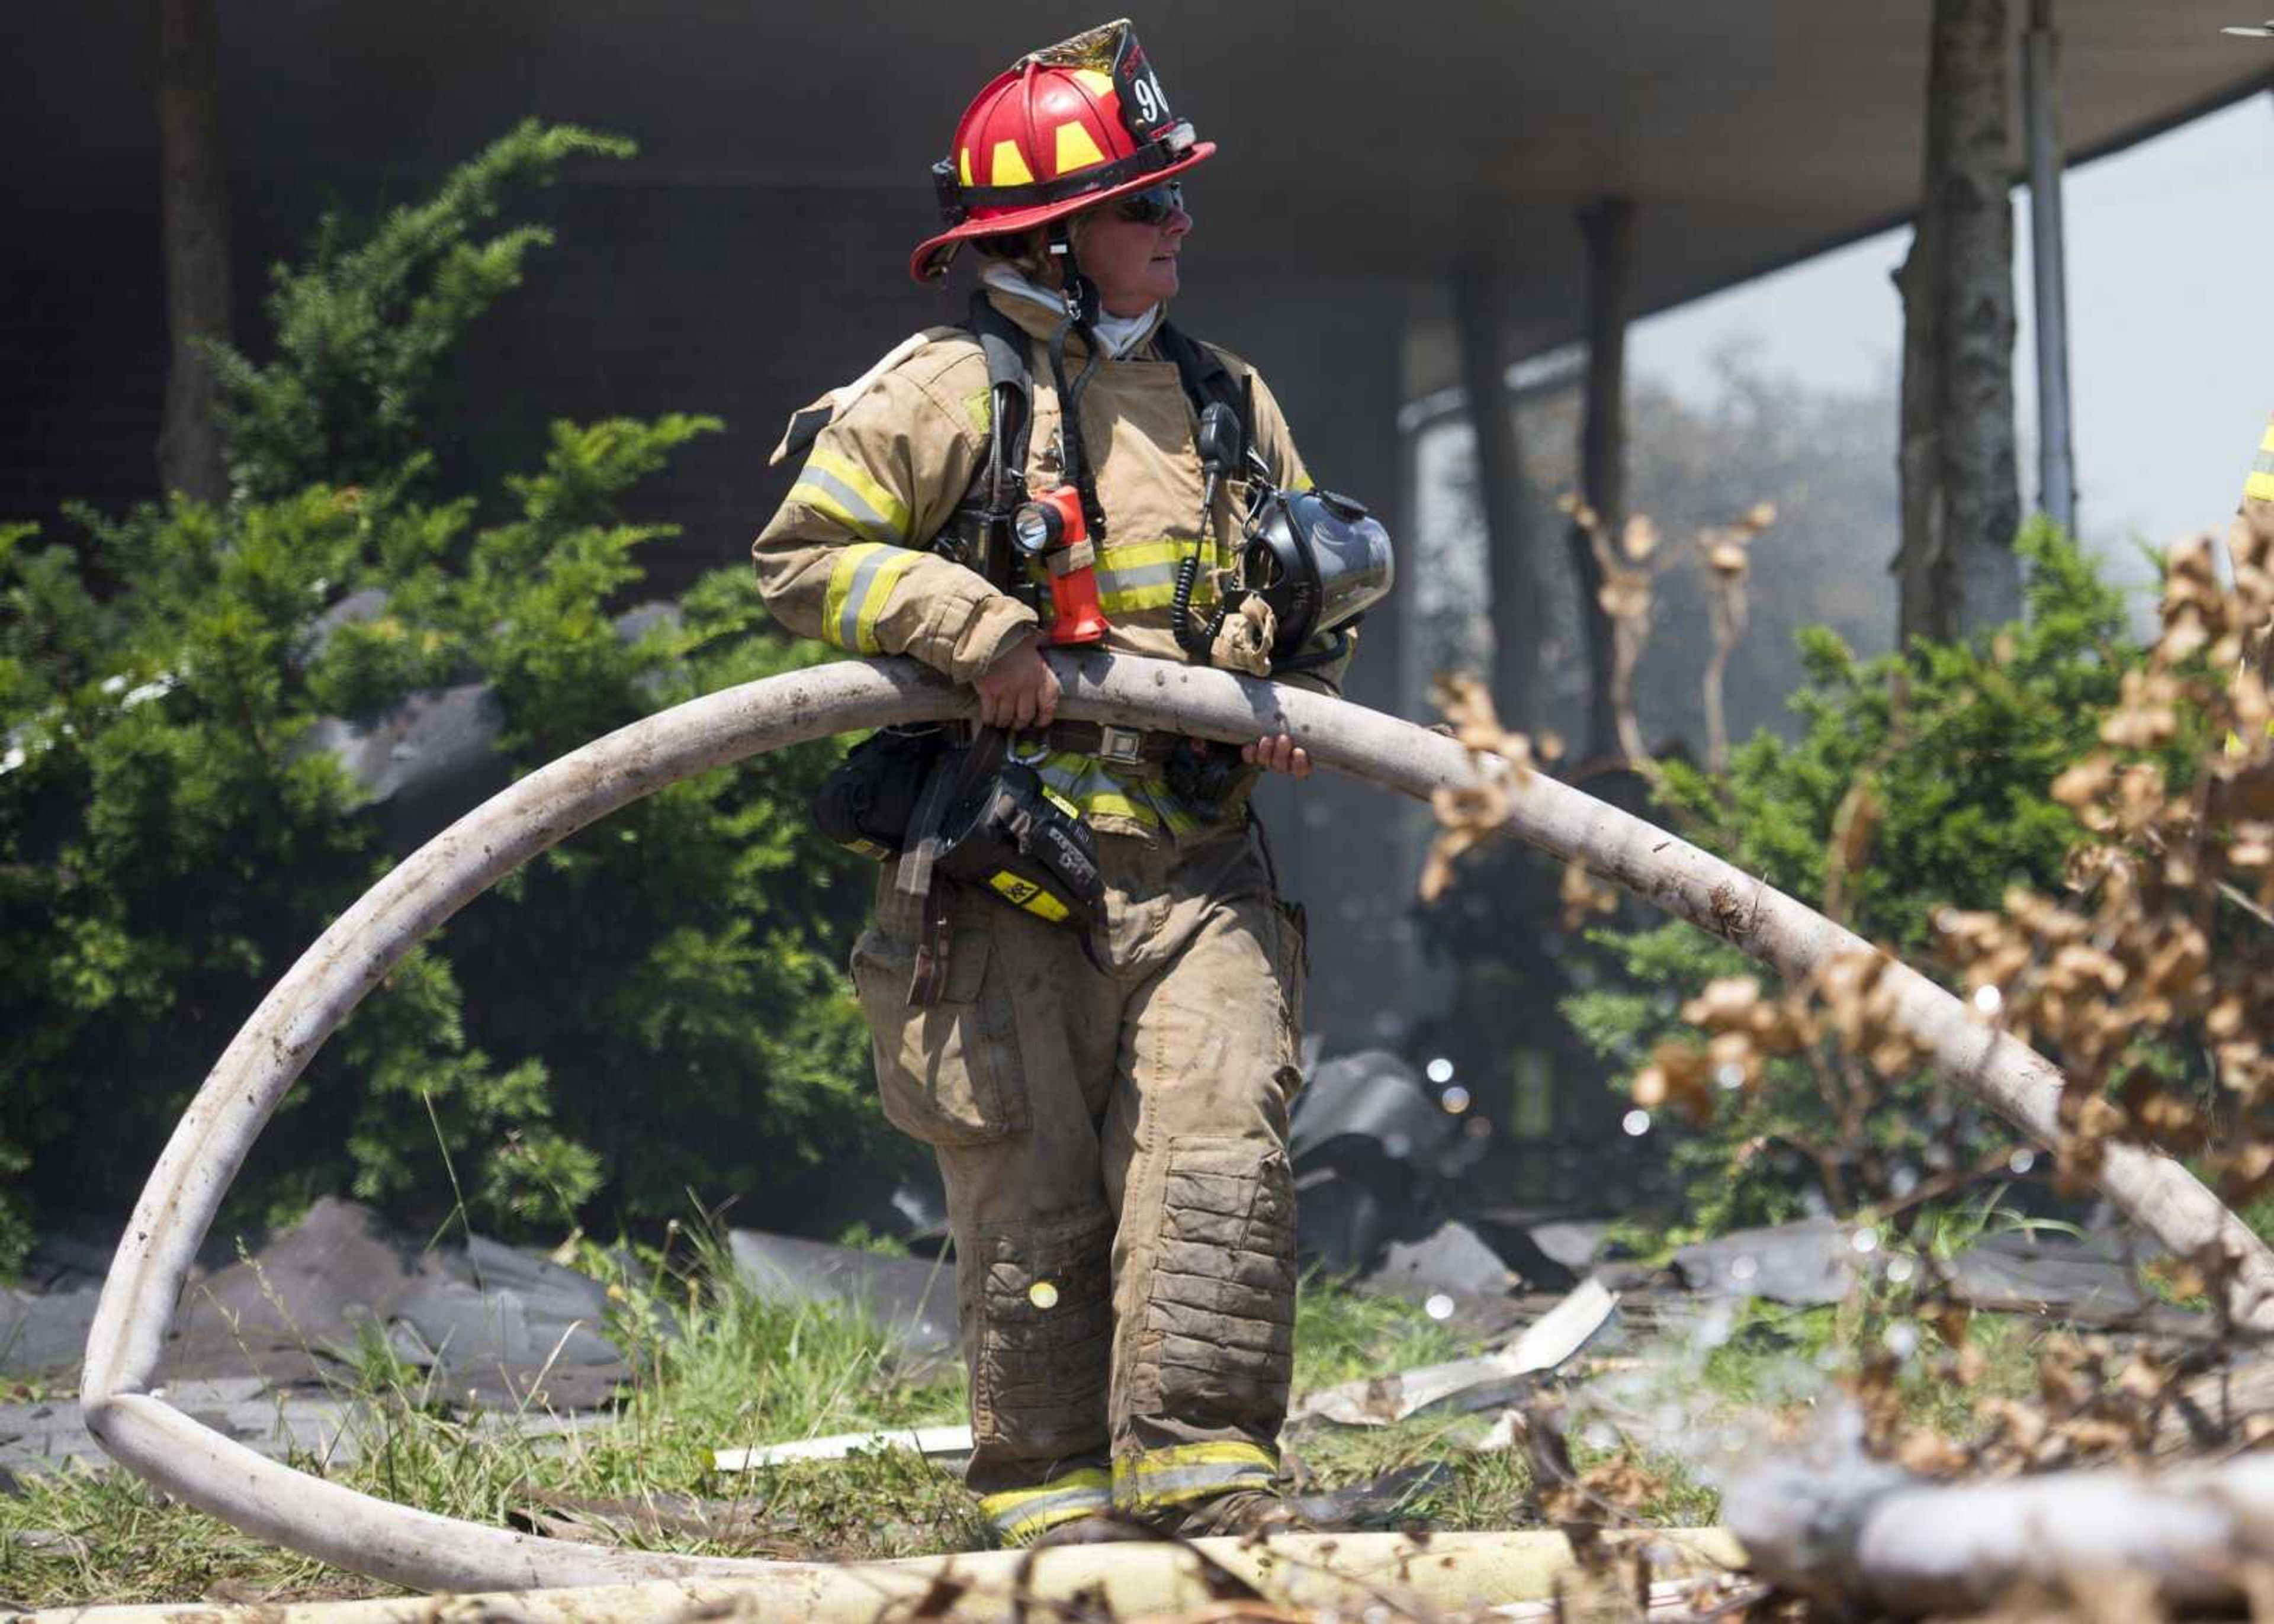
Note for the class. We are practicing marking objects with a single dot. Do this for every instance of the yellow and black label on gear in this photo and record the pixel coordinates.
(1029, 895)
(1059, 801)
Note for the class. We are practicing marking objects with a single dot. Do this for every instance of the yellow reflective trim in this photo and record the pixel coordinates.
(2266, 440)
(963, 166)
(1077, 148)
(861, 583)
(1136, 555)
(1139, 597)
(1189, 1472)
(879, 593)
(1154, 1461)
(1114, 805)
(1008, 167)
(888, 508)
(2259, 488)
(1300, 482)
(841, 576)
(1019, 1515)
(1093, 80)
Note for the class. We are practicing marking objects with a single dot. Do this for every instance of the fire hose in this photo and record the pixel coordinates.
(417, 1548)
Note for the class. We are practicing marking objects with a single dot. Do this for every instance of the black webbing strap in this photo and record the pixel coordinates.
(1010, 386)
(1206, 380)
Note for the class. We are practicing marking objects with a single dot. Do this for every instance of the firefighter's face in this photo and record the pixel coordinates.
(1129, 247)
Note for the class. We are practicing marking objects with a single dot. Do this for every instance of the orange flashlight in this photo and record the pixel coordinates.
(1051, 528)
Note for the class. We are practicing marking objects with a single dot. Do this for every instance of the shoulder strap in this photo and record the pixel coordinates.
(1010, 387)
(1206, 380)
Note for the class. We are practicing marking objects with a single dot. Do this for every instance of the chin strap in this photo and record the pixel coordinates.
(1080, 296)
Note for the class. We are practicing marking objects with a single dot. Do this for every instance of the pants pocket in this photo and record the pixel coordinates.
(949, 1074)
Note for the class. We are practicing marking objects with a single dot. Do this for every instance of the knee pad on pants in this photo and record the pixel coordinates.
(1045, 1329)
(1219, 1335)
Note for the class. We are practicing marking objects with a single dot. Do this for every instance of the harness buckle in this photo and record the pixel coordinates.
(1124, 747)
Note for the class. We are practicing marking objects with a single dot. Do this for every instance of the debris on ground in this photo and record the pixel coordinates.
(263, 1349)
(911, 1299)
(2089, 1279)
(1480, 1382)
(937, 1443)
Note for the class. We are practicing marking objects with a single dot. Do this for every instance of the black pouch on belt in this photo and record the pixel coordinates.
(868, 799)
(1009, 835)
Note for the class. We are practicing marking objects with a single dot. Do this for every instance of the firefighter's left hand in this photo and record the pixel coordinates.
(1280, 753)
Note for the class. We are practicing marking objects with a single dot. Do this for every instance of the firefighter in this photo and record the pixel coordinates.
(1111, 1126)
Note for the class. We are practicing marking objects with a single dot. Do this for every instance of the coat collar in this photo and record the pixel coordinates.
(1039, 321)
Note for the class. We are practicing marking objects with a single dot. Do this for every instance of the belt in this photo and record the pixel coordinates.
(1130, 748)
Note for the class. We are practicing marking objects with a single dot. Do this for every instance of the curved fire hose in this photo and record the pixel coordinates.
(419, 1549)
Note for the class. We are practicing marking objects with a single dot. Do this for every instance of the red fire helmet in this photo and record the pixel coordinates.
(1058, 131)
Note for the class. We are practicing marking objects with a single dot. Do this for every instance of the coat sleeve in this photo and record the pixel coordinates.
(846, 558)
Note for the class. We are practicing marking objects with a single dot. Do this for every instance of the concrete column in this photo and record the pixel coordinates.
(1608, 228)
(2049, 260)
(1480, 322)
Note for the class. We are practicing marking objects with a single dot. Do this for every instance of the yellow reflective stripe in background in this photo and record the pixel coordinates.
(2260, 486)
(860, 585)
(840, 488)
(1189, 1472)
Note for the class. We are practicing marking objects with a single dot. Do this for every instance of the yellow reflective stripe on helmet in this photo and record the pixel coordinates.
(1077, 147)
(1007, 166)
(860, 585)
(846, 491)
(1019, 1515)
(1187, 1472)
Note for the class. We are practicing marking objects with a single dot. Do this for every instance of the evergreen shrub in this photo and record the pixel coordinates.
(1948, 753)
(654, 1007)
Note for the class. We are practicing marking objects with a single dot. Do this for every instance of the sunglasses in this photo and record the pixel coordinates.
(1153, 204)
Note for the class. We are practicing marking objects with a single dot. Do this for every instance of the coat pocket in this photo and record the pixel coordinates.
(950, 1074)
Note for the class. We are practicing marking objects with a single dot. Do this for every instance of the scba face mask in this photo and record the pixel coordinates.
(1319, 559)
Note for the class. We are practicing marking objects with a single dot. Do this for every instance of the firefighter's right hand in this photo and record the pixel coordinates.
(1019, 691)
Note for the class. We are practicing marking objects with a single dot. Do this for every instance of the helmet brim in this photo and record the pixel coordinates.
(933, 254)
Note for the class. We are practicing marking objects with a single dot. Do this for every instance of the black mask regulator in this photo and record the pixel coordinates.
(1318, 560)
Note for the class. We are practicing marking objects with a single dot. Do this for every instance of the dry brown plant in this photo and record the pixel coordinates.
(2165, 939)
(1630, 568)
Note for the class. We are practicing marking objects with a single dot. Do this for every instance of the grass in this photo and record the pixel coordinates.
(716, 1368)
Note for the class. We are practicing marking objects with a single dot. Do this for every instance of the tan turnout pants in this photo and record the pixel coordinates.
(1115, 1152)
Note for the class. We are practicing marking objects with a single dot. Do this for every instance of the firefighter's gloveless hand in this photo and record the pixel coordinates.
(1278, 754)
(1019, 691)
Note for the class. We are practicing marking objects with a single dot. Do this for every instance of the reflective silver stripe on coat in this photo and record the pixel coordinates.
(871, 525)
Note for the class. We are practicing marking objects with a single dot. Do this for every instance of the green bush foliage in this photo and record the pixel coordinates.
(1953, 746)
(652, 1006)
